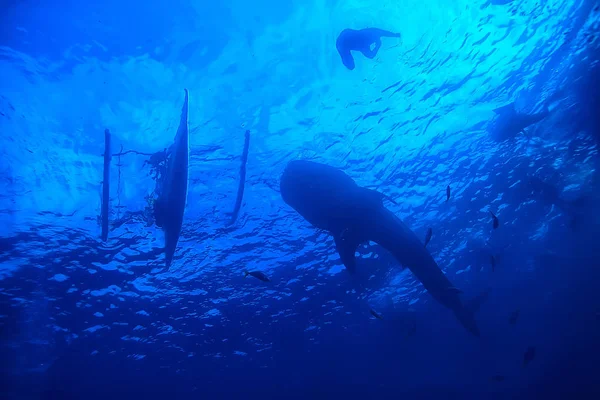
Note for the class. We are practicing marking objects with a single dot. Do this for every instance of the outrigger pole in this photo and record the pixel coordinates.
(240, 193)
(106, 185)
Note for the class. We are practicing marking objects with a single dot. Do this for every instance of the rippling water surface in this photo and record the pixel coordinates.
(76, 311)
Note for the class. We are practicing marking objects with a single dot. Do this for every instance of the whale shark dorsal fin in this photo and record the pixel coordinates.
(507, 109)
(346, 243)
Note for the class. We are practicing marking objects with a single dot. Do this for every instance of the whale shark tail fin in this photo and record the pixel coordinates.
(246, 273)
(466, 314)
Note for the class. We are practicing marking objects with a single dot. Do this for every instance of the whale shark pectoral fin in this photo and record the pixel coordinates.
(346, 244)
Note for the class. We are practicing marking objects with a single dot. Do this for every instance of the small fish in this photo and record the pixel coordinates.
(447, 193)
(495, 221)
(529, 355)
(498, 378)
(493, 262)
(428, 236)
(513, 317)
(257, 274)
(375, 314)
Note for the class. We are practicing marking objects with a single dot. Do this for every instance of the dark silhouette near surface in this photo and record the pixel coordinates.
(360, 40)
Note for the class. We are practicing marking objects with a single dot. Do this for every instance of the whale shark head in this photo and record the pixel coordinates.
(325, 196)
(329, 199)
(509, 122)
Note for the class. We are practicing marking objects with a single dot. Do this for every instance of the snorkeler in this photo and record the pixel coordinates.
(360, 40)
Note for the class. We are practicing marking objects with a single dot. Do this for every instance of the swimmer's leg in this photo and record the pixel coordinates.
(347, 59)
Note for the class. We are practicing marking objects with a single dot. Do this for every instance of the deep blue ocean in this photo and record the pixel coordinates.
(473, 126)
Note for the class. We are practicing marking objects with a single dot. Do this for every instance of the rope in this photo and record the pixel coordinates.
(122, 153)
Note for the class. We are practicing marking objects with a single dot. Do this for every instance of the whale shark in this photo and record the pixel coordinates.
(509, 122)
(332, 201)
(169, 207)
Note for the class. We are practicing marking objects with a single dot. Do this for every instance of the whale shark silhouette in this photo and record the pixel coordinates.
(170, 204)
(330, 200)
(509, 122)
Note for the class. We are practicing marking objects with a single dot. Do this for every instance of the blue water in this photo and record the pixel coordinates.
(83, 318)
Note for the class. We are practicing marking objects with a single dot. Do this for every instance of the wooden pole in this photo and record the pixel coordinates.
(105, 185)
(240, 193)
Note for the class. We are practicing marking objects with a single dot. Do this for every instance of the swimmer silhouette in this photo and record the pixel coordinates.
(360, 40)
